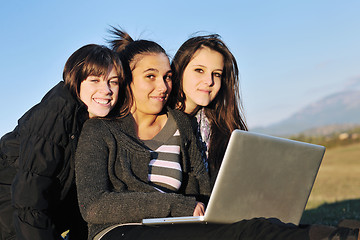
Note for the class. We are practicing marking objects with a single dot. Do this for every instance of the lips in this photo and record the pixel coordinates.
(102, 101)
(159, 98)
(204, 91)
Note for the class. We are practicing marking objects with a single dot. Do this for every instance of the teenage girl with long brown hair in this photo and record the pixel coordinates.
(206, 86)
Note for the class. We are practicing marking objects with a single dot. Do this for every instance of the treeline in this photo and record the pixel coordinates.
(331, 140)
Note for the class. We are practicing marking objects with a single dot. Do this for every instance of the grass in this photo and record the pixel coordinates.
(336, 192)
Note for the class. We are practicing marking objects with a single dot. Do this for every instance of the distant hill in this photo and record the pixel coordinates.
(339, 110)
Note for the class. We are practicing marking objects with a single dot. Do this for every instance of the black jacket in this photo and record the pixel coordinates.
(37, 163)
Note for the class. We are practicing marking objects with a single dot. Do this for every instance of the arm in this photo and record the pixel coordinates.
(35, 190)
(121, 197)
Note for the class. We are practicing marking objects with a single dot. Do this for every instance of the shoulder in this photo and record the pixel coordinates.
(103, 127)
(58, 101)
(100, 127)
(96, 134)
(111, 133)
(183, 123)
(54, 116)
(180, 117)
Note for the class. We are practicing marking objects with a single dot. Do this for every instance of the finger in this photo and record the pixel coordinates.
(199, 209)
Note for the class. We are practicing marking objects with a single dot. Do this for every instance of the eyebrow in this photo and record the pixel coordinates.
(156, 70)
(114, 77)
(151, 69)
(199, 65)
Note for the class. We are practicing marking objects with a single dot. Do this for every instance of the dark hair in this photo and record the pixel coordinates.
(128, 50)
(225, 112)
(89, 60)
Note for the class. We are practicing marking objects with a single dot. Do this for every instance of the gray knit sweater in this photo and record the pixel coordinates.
(112, 169)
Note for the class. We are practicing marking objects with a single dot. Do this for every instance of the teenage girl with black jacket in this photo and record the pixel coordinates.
(37, 158)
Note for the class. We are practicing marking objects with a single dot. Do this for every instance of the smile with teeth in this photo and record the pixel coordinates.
(102, 101)
(159, 98)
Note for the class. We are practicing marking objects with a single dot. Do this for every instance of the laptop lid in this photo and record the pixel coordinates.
(261, 176)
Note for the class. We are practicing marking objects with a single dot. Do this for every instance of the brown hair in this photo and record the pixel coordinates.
(225, 112)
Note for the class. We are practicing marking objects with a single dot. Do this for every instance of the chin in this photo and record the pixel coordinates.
(203, 104)
(101, 114)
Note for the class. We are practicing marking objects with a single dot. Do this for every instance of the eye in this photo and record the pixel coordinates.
(114, 81)
(218, 75)
(167, 77)
(150, 76)
(94, 79)
(199, 70)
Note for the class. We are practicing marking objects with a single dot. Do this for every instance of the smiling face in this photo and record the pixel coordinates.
(151, 83)
(100, 94)
(202, 78)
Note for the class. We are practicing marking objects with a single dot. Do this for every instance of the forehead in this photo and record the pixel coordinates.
(206, 56)
(100, 70)
(158, 61)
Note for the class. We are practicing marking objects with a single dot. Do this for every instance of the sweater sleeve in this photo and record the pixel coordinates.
(133, 199)
(35, 189)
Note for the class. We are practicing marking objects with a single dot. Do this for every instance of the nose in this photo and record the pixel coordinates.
(208, 79)
(105, 88)
(162, 86)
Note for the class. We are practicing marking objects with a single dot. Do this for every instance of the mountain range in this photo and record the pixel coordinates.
(339, 110)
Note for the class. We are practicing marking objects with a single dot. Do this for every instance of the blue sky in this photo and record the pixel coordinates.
(290, 53)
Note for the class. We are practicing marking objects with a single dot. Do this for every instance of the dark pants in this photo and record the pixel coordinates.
(255, 229)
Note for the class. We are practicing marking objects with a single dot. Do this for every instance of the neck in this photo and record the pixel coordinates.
(148, 126)
(192, 111)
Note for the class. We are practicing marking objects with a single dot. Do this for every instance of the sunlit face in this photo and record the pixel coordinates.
(100, 94)
(202, 78)
(151, 84)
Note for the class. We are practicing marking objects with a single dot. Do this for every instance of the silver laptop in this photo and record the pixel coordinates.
(260, 176)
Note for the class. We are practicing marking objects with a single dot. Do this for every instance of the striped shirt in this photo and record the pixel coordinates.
(165, 172)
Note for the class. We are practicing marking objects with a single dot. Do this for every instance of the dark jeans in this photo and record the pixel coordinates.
(255, 229)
